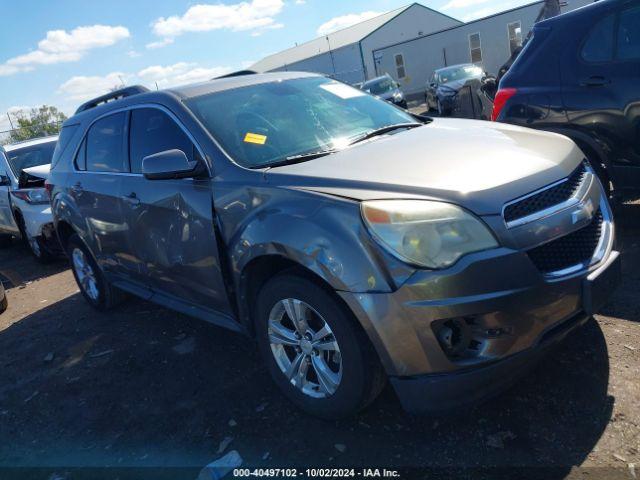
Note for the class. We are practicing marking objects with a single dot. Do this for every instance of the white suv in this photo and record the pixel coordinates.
(24, 201)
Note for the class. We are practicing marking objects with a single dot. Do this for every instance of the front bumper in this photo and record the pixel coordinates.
(530, 318)
(443, 392)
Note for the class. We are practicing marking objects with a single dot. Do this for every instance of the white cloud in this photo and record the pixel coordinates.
(61, 46)
(256, 14)
(456, 4)
(344, 21)
(300, 2)
(494, 8)
(133, 54)
(159, 44)
(179, 74)
(81, 88)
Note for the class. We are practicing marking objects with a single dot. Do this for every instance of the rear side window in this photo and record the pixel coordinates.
(629, 34)
(64, 138)
(598, 46)
(105, 144)
(81, 156)
(153, 131)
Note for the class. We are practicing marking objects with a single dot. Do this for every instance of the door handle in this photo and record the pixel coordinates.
(595, 81)
(132, 199)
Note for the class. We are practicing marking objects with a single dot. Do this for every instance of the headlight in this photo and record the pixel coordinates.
(34, 196)
(397, 96)
(426, 233)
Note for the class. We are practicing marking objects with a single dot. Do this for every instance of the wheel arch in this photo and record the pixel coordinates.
(257, 272)
(64, 230)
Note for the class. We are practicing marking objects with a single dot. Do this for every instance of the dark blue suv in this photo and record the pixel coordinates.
(579, 75)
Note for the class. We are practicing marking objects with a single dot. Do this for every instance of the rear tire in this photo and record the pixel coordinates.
(93, 285)
(338, 373)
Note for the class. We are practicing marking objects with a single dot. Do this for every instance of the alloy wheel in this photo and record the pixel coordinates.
(305, 348)
(86, 275)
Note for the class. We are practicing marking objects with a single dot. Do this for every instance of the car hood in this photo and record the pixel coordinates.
(389, 95)
(479, 165)
(41, 171)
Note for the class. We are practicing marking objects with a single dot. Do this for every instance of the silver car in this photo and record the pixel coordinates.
(25, 208)
(356, 242)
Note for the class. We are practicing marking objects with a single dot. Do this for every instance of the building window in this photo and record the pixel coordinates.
(400, 66)
(475, 48)
(515, 36)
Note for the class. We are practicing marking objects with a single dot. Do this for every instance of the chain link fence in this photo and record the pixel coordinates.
(30, 132)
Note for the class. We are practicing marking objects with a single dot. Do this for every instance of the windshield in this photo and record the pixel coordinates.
(269, 122)
(379, 86)
(459, 73)
(31, 156)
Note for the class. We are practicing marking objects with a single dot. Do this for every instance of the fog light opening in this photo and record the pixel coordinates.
(454, 336)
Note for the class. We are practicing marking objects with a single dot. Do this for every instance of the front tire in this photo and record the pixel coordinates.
(316, 353)
(93, 285)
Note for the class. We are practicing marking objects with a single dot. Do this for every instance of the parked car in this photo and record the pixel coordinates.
(386, 88)
(579, 75)
(445, 84)
(24, 202)
(3, 299)
(354, 241)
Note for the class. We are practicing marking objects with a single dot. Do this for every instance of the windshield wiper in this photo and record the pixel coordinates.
(383, 130)
(301, 157)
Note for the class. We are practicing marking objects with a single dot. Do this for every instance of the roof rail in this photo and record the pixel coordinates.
(239, 73)
(111, 96)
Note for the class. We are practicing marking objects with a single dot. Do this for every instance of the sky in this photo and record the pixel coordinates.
(64, 52)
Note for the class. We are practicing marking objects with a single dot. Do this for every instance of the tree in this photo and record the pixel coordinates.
(39, 122)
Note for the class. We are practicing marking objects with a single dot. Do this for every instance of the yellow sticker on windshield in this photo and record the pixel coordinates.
(255, 138)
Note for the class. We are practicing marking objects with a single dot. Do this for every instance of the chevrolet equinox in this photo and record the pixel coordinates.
(355, 242)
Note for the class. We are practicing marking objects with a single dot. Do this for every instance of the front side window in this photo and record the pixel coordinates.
(629, 34)
(105, 144)
(153, 131)
(475, 48)
(270, 122)
(32, 156)
(515, 36)
(598, 47)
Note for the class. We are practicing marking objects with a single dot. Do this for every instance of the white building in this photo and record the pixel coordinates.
(347, 54)
(487, 42)
(409, 43)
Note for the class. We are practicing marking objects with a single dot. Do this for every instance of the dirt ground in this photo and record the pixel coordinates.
(146, 387)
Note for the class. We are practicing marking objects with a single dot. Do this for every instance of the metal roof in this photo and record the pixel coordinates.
(332, 41)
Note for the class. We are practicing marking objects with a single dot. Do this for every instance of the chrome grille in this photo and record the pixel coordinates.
(554, 195)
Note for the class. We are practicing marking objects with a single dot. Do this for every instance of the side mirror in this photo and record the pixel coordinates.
(432, 85)
(169, 164)
(5, 181)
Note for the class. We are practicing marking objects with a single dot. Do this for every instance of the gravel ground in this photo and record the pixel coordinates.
(144, 386)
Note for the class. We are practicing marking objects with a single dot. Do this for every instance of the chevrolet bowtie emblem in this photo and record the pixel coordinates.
(583, 212)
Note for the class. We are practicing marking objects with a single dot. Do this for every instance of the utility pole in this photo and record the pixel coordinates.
(333, 64)
(10, 122)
